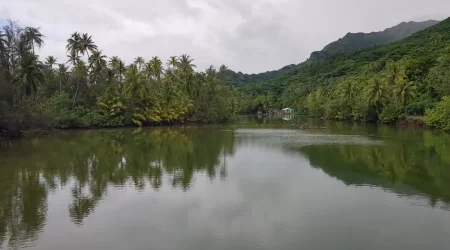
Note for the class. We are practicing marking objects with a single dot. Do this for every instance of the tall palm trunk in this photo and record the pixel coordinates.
(76, 94)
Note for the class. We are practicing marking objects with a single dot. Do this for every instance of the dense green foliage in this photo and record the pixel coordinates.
(439, 116)
(91, 90)
(383, 83)
(240, 79)
(358, 41)
(350, 42)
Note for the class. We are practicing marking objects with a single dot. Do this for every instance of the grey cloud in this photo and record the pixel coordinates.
(246, 35)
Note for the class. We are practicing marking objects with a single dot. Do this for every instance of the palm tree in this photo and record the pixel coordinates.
(34, 36)
(74, 47)
(185, 64)
(50, 61)
(139, 61)
(30, 74)
(395, 72)
(79, 72)
(169, 92)
(347, 90)
(73, 58)
(62, 73)
(376, 94)
(118, 66)
(156, 66)
(97, 62)
(136, 88)
(211, 71)
(173, 62)
(405, 92)
(87, 44)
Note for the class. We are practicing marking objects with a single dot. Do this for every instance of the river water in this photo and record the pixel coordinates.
(262, 183)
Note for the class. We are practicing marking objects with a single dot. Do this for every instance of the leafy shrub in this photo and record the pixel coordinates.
(439, 116)
(391, 113)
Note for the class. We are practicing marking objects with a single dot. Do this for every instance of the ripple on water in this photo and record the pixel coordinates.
(303, 138)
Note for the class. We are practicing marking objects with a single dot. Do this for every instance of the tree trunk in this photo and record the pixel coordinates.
(76, 95)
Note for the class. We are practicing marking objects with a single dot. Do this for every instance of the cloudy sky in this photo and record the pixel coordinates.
(246, 35)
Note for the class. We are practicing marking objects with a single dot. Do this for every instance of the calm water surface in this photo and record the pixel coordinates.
(258, 184)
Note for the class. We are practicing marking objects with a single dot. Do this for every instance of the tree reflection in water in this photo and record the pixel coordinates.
(88, 162)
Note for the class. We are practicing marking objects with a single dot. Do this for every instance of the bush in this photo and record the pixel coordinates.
(439, 116)
(24, 115)
(418, 108)
(60, 113)
(391, 113)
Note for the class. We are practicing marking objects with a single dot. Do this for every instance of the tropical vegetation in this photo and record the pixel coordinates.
(93, 90)
(380, 84)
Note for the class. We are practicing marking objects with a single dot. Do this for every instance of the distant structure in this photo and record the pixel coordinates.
(287, 111)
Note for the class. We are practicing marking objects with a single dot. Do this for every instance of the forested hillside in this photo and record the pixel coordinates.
(381, 83)
(349, 43)
(358, 41)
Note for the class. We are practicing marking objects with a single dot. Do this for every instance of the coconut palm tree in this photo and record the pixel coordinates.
(185, 64)
(50, 61)
(156, 66)
(63, 74)
(173, 62)
(29, 75)
(395, 72)
(136, 88)
(376, 94)
(405, 92)
(347, 90)
(97, 62)
(118, 66)
(211, 71)
(87, 44)
(139, 61)
(79, 73)
(34, 36)
(74, 47)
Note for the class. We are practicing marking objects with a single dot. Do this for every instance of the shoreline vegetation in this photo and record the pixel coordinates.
(396, 84)
(382, 84)
(90, 90)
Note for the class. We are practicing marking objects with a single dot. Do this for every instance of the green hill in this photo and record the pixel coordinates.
(422, 59)
(350, 42)
(358, 41)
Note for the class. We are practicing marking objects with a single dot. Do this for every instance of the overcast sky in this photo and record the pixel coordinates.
(246, 35)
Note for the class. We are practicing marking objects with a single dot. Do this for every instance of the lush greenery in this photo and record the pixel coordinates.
(358, 41)
(92, 90)
(383, 84)
(350, 42)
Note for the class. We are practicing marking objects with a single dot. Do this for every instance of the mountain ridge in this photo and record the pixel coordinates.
(356, 41)
(392, 34)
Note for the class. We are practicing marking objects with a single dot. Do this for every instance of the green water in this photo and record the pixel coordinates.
(258, 184)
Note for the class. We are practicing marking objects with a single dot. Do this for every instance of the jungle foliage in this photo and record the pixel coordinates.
(93, 90)
(384, 83)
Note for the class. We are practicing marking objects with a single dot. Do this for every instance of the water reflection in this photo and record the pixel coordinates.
(273, 175)
(88, 162)
(418, 165)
